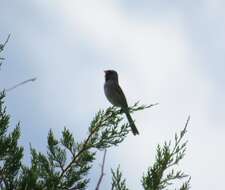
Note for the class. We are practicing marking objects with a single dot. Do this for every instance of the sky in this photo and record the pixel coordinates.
(170, 52)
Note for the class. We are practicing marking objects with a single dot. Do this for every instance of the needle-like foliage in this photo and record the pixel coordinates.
(2, 46)
(67, 162)
(10, 152)
(162, 174)
(118, 183)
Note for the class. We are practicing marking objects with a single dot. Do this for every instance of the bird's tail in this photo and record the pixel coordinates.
(132, 125)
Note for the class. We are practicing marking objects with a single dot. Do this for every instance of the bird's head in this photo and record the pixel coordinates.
(111, 75)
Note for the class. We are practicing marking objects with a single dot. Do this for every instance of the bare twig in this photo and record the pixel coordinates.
(21, 83)
(102, 171)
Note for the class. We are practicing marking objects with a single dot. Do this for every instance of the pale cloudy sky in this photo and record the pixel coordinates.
(171, 52)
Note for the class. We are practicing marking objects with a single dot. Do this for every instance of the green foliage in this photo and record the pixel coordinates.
(67, 162)
(2, 46)
(168, 156)
(118, 183)
(162, 174)
(10, 153)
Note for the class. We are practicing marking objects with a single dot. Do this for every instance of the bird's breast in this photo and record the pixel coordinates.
(110, 93)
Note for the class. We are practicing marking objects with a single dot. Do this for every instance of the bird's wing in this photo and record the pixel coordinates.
(120, 97)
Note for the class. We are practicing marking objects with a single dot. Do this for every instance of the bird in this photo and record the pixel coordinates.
(116, 97)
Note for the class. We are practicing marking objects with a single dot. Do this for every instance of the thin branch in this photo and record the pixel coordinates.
(102, 171)
(7, 40)
(181, 136)
(135, 107)
(20, 84)
(3, 45)
(84, 148)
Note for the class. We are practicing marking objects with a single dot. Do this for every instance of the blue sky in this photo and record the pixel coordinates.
(166, 52)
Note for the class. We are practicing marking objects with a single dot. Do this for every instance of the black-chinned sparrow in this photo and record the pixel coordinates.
(116, 97)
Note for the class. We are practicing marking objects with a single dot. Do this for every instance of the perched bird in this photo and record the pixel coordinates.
(116, 97)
